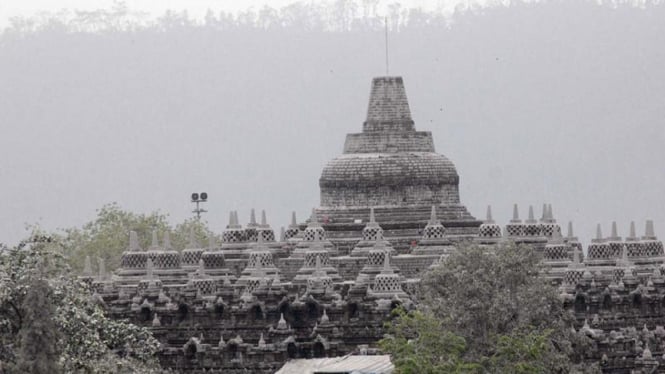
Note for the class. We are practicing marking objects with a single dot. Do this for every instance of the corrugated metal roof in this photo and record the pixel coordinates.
(347, 364)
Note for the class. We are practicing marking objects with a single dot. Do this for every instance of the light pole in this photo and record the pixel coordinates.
(199, 198)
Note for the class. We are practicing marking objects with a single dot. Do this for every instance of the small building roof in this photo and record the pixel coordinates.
(340, 365)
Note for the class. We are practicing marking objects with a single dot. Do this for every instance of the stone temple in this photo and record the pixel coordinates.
(390, 210)
(394, 169)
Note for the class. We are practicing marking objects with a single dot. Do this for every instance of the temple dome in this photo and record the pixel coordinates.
(389, 163)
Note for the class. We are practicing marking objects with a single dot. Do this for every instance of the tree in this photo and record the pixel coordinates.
(87, 340)
(38, 335)
(493, 300)
(107, 236)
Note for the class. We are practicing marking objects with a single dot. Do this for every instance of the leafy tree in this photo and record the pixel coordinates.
(107, 236)
(492, 299)
(37, 351)
(88, 341)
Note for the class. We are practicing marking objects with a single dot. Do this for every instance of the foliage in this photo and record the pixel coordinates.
(510, 319)
(37, 351)
(434, 350)
(88, 341)
(107, 236)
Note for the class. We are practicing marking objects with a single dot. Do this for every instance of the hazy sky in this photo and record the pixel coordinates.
(561, 102)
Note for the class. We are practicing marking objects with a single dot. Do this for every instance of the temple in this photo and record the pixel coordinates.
(390, 210)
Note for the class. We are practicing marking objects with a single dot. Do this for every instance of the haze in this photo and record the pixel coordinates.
(559, 102)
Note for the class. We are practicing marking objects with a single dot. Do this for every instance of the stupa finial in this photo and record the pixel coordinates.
(489, 215)
(293, 219)
(372, 219)
(570, 230)
(432, 215)
(212, 242)
(264, 221)
(599, 232)
(544, 216)
(252, 218)
(134, 242)
(633, 233)
(649, 230)
(167, 240)
(516, 213)
(531, 216)
(614, 232)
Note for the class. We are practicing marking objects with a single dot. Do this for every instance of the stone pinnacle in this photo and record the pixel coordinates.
(252, 218)
(570, 229)
(134, 242)
(649, 231)
(293, 219)
(432, 217)
(264, 221)
(372, 219)
(632, 234)
(516, 213)
(599, 233)
(489, 215)
(531, 217)
(167, 241)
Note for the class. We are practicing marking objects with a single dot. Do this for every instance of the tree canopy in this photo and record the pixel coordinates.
(42, 301)
(486, 310)
(107, 236)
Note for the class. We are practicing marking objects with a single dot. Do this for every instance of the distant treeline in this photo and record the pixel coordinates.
(330, 16)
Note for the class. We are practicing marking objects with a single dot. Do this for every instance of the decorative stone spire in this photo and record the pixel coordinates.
(324, 317)
(314, 219)
(433, 219)
(281, 325)
(212, 242)
(599, 235)
(372, 231)
(632, 236)
(615, 243)
(489, 215)
(293, 229)
(156, 322)
(434, 228)
(515, 228)
(531, 226)
(531, 218)
(154, 245)
(544, 216)
(388, 108)
(167, 241)
(649, 232)
(262, 342)
(489, 229)
(252, 219)
(573, 243)
(264, 221)
(134, 242)
(516, 214)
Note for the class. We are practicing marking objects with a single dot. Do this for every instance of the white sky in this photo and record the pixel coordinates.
(195, 8)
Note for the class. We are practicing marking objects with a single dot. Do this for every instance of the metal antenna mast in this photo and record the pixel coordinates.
(386, 23)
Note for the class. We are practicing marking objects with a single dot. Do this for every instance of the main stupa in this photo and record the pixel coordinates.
(394, 169)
